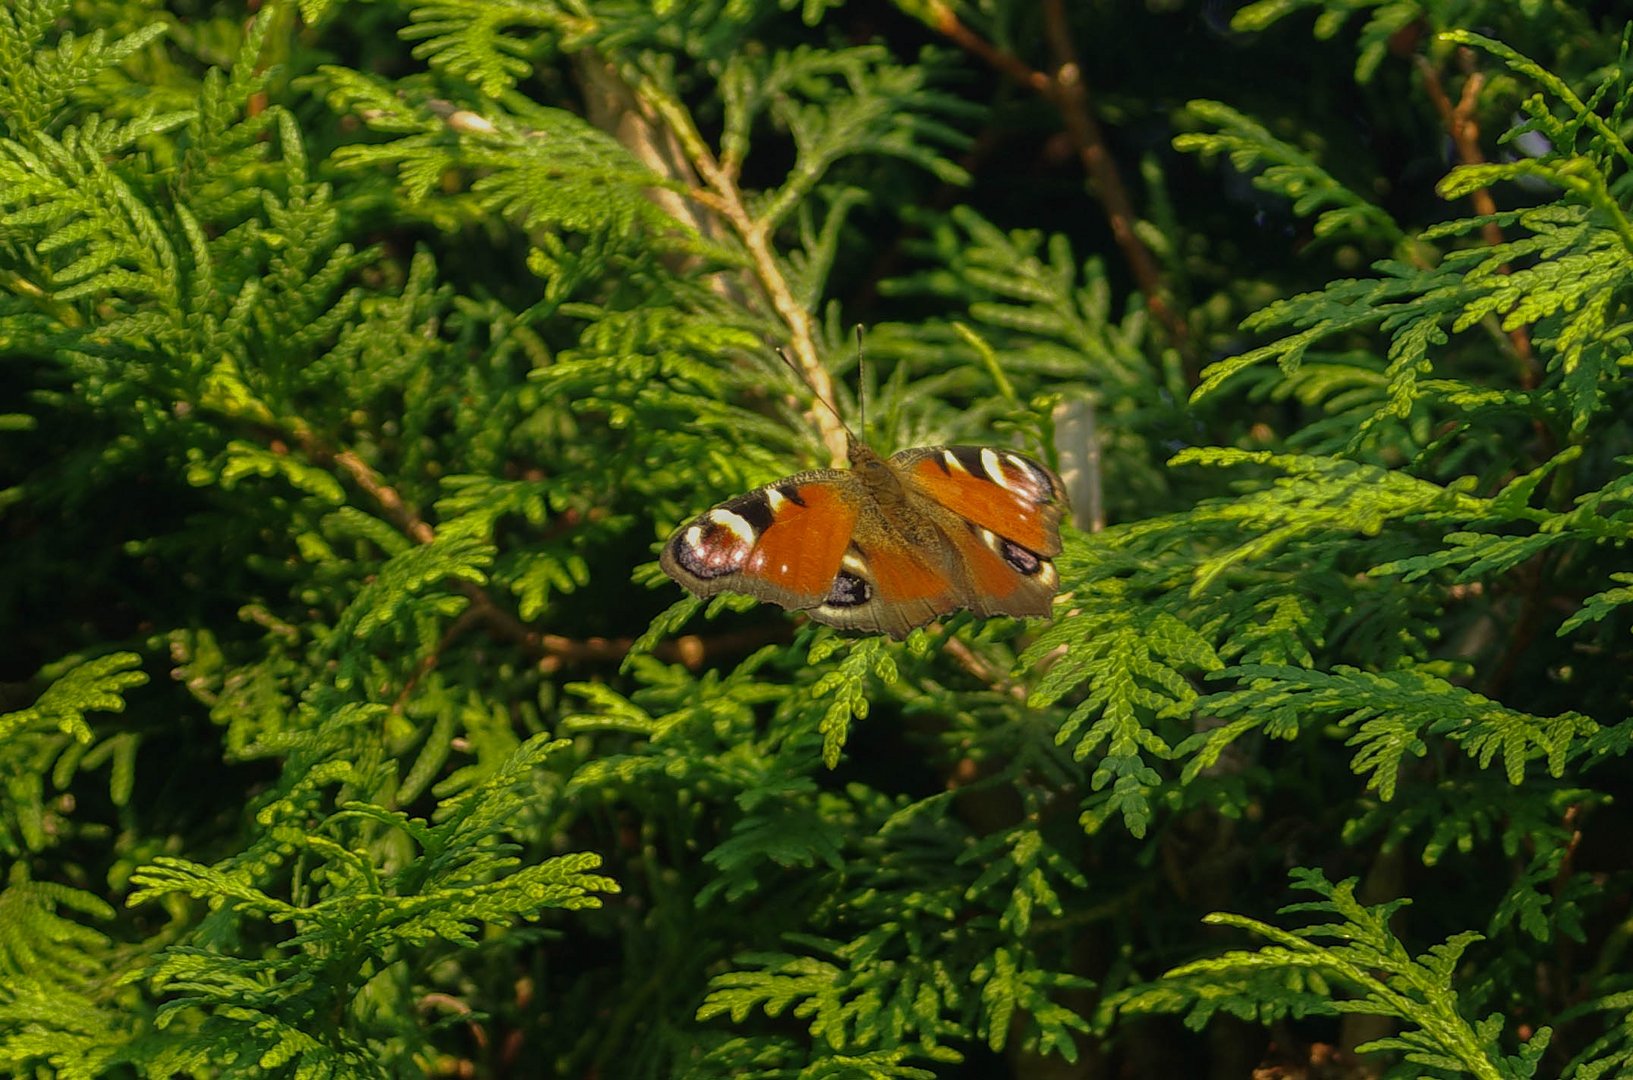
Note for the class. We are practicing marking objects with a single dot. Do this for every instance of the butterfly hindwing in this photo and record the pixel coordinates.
(886, 586)
(1005, 578)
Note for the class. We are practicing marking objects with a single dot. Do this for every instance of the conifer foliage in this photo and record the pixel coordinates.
(357, 357)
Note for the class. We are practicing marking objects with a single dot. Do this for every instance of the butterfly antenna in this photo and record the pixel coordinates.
(861, 384)
(800, 375)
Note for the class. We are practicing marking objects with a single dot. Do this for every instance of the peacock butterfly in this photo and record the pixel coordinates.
(889, 544)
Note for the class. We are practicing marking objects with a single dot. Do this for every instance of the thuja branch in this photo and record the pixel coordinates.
(553, 651)
(1071, 95)
(722, 195)
(611, 105)
(66, 314)
(946, 21)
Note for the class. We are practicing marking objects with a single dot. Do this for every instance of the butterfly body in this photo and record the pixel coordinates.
(887, 545)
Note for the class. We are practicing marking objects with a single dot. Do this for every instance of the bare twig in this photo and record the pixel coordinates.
(1068, 92)
(1071, 95)
(946, 21)
(1564, 947)
(553, 651)
(556, 651)
(429, 661)
(721, 194)
(981, 669)
(1464, 128)
(611, 105)
(385, 496)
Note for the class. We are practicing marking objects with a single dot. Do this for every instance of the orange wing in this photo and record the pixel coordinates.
(800, 551)
(782, 543)
(794, 543)
(999, 490)
(887, 588)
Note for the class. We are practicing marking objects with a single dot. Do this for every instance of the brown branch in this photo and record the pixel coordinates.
(1464, 129)
(554, 651)
(611, 105)
(1071, 94)
(1564, 947)
(1522, 631)
(719, 192)
(449, 1004)
(429, 661)
(1068, 92)
(981, 669)
(946, 21)
(385, 496)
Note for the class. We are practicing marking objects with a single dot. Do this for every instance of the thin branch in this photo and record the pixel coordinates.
(1067, 91)
(726, 200)
(449, 1004)
(429, 661)
(946, 21)
(1523, 629)
(1071, 94)
(1464, 128)
(553, 651)
(385, 496)
(980, 668)
(1564, 947)
(611, 105)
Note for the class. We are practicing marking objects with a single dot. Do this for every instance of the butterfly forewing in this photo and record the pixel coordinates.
(1006, 493)
(1005, 578)
(782, 543)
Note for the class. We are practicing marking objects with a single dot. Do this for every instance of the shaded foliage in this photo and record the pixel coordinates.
(357, 357)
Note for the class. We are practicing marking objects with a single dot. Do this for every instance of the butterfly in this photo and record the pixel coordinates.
(888, 544)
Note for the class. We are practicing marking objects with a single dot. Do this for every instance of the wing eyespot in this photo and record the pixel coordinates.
(1022, 560)
(849, 590)
(1019, 558)
(708, 549)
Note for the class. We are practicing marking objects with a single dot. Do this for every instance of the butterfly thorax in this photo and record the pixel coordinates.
(875, 472)
(890, 514)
